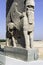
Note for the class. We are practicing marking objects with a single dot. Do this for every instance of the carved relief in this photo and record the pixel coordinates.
(22, 24)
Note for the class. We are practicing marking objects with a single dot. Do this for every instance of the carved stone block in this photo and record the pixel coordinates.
(21, 53)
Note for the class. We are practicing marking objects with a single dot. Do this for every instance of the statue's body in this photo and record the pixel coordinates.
(23, 24)
(29, 9)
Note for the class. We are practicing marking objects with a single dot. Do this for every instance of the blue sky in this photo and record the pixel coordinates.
(38, 30)
(2, 19)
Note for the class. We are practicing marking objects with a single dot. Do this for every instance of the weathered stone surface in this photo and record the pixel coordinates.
(9, 6)
(29, 9)
(18, 53)
(21, 13)
(30, 2)
(32, 54)
(21, 53)
(24, 23)
(15, 17)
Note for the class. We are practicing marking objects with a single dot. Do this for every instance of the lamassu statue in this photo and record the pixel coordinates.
(21, 24)
(20, 29)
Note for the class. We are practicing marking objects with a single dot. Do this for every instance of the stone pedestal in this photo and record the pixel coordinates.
(21, 53)
(32, 54)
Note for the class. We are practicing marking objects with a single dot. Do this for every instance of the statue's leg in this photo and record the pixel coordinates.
(14, 41)
(31, 39)
(26, 39)
(8, 42)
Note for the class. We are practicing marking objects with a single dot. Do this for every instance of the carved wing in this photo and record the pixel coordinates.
(14, 15)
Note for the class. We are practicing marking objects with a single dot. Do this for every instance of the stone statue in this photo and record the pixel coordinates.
(15, 25)
(29, 9)
(10, 33)
(22, 23)
(20, 28)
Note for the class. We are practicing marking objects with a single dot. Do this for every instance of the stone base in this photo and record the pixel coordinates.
(21, 53)
(32, 54)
